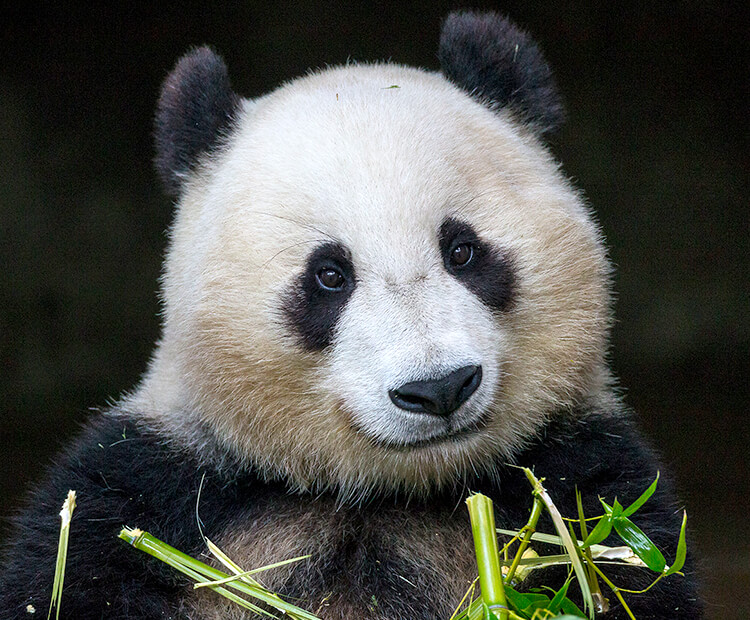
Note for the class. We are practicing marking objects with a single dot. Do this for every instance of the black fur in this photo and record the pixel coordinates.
(122, 475)
(492, 59)
(489, 274)
(196, 108)
(311, 310)
(125, 474)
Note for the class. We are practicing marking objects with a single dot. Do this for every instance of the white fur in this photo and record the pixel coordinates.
(375, 157)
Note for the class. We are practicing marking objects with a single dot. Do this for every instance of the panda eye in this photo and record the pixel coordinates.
(330, 279)
(462, 254)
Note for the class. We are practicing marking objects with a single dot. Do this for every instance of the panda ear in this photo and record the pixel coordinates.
(196, 108)
(492, 59)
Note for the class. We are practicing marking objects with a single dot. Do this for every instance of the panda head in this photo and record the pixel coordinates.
(378, 278)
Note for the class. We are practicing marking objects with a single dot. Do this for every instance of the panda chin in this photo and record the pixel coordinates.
(454, 431)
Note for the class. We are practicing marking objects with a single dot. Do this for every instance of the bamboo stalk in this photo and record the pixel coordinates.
(541, 493)
(601, 604)
(488, 561)
(201, 573)
(528, 531)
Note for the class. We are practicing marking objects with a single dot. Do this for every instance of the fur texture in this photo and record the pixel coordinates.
(359, 230)
(196, 107)
(415, 558)
(494, 60)
(250, 219)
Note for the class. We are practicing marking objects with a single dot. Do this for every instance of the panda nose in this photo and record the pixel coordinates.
(441, 396)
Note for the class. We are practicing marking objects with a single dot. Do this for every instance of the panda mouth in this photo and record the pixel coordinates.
(448, 436)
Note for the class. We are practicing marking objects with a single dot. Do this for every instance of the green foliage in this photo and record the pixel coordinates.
(505, 602)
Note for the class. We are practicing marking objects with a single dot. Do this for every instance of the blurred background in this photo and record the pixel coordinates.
(657, 136)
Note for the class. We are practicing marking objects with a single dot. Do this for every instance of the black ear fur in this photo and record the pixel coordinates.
(492, 59)
(196, 107)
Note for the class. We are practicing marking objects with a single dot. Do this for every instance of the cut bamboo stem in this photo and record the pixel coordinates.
(66, 514)
(201, 573)
(482, 518)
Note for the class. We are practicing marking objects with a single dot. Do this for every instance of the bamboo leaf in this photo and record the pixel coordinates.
(640, 544)
(581, 515)
(600, 532)
(570, 609)
(525, 603)
(462, 615)
(642, 499)
(616, 509)
(556, 603)
(679, 560)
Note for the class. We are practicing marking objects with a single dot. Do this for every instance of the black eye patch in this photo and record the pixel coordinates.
(479, 266)
(316, 298)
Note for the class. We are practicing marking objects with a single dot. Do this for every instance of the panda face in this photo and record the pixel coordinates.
(414, 354)
(378, 283)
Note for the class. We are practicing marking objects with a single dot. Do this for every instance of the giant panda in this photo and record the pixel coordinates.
(380, 295)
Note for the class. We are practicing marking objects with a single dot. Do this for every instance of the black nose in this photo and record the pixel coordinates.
(440, 396)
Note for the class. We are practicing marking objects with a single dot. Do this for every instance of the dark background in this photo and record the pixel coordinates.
(657, 135)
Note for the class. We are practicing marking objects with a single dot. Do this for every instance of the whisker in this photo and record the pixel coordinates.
(290, 247)
(299, 223)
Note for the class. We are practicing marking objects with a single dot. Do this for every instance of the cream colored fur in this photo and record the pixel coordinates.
(375, 157)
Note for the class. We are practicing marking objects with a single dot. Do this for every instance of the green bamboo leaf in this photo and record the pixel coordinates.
(679, 560)
(581, 516)
(541, 604)
(640, 544)
(616, 509)
(476, 611)
(571, 610)
(526, 603)
(600, 532)
(556, 603)
(642, 499)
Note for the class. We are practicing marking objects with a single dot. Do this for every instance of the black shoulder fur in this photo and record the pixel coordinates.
(493, 60)
(197, 105)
